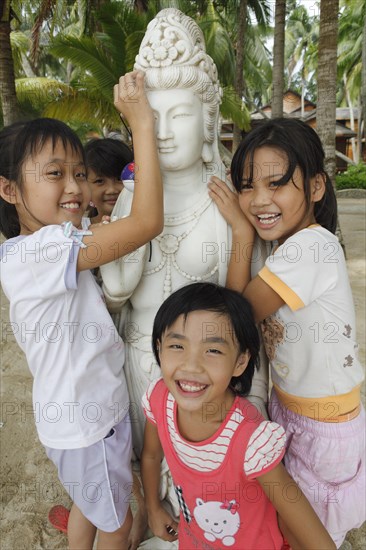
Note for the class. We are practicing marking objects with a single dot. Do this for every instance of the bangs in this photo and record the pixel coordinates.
(42, 130)
(289, 156)
(244, 156)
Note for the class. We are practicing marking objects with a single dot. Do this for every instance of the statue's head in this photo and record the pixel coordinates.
(173, 56)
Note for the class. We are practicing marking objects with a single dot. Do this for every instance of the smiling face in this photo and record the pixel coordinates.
(276, 211)
(198, 357)
(54, 188)
(104, 192)
(179, 127)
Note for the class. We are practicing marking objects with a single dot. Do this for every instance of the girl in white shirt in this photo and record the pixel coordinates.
(58, 313)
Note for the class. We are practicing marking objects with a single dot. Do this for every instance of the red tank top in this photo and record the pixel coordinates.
(223, 507)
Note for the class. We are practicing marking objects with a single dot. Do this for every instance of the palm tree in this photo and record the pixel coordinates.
(9, 103)
(220, 47)
(90, 63)
(98, 62)
(301, 47)
(251, 65)
(239, 72)
(278, 59)
(363, 87)
(327, 82)
(350, 40)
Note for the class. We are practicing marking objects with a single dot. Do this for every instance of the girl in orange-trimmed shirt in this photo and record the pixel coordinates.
(302, 297)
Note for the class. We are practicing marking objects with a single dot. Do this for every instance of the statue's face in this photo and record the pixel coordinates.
(179, 127)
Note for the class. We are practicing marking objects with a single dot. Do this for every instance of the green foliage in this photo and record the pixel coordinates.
(353, 178)
(34, 94)
(301, 47)
(349, 63)
(230, 109)
(99, 60)
(84, 46)
(87, 45)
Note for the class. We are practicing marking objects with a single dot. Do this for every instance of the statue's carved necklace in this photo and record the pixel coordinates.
(169, 245)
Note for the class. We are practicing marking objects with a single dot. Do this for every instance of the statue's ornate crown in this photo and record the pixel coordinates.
(174, 39)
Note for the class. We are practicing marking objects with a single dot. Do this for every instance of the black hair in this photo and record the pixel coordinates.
(303, 148)
(221, 300)
(19, 141)
(107, 157)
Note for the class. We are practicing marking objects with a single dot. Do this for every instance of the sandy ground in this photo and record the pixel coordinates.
(29, 482)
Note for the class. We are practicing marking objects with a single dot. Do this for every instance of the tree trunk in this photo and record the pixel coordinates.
(278, 79)
(327, 82)
(141, 5)
(363, 90)
(28, 68)
(351, 121)
(327, 89)
(11, 111)
(239, 70)
(303, 84)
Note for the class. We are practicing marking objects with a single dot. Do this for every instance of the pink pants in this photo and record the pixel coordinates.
(327, 460)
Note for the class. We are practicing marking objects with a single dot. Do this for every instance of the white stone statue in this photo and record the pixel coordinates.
(184, 92)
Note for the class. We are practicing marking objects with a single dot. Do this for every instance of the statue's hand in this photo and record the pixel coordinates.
(121, 277)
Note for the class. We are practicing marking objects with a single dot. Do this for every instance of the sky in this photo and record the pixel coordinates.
(312, 6)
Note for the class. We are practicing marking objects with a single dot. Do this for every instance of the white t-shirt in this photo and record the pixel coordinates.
(311, 340)
(73, 350)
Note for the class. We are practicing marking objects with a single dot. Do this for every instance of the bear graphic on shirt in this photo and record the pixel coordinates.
(218, 520)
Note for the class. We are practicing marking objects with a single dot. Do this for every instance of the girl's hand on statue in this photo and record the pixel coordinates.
(163, 525)
(131, 101)
(105, 220)
(227, 202)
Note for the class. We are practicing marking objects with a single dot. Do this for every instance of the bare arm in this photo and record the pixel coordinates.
(152, 455)
(238, 275)
(111, 241)
(263, 299)
(301, 526)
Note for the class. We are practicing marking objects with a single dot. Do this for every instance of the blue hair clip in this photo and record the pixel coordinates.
(74, 233)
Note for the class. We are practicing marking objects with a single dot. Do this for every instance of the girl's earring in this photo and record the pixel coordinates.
(91, 204)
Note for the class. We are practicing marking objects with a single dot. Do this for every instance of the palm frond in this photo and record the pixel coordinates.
(125, 29)
(20, 45)
(232, 108)
(85, 52)
(86, 107)
(218, 44)
(34, 93)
